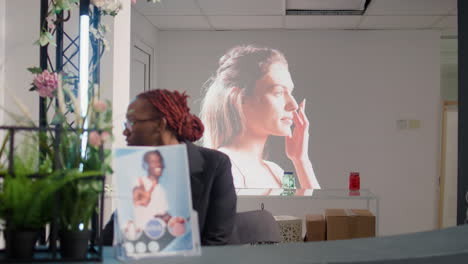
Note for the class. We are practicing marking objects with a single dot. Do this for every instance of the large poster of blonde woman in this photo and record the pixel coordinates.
(154, 207)
(248, 99)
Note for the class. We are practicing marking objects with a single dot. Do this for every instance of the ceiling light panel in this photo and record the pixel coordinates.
(325, 4)
(322, 22)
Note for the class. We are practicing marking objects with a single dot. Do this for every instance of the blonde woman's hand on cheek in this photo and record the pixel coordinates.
(297, 149)
(297, 144)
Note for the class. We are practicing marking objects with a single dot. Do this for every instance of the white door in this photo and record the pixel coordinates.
(141, 69)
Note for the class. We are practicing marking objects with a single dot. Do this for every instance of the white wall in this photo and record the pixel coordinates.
(17, 52)
(22, 30)
(132, 27)
(144, 31)
(358, 84)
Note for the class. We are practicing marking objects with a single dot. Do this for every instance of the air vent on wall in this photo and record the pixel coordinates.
(326, 7)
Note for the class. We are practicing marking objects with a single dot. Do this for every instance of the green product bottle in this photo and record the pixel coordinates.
(289, 184)
(289, 181)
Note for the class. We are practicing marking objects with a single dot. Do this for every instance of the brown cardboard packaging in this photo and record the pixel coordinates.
(337, 224)
(365, 224)
(315, 227)
(349, 223)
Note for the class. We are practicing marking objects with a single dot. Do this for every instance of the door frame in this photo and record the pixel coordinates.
(447, 105)
(140, 44)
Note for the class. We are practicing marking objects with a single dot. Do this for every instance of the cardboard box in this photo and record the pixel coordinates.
(315, 227)
(349, 223)
(337, 224)
(365, 224)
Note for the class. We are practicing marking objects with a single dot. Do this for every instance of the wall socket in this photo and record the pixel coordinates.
(408, 124)
(414, 124)
(402, 124)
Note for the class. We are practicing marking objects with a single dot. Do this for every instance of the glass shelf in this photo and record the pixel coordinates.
(363, 194)
(294, 201)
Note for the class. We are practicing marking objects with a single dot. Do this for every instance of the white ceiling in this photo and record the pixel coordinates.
(270, 14)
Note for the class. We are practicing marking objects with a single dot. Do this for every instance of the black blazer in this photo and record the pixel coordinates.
(213, 196)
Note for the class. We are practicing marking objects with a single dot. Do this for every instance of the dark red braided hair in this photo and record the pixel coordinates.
(173, 106)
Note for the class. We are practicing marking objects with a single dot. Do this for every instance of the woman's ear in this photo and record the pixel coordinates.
(162, 124)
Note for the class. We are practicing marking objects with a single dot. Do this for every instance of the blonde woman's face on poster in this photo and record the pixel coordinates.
(269, 110)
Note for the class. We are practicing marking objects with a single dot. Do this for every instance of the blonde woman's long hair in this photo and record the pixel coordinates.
(235, 78)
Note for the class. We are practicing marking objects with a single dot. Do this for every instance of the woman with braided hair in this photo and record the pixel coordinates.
(249, 99)
(162, 117)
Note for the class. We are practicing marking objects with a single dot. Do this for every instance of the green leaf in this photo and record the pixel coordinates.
(58, 7)
(46, 166)
(35, 70)
(66, 5)
(43, 40)
(34, 88)
(52, 42)
(58, 119)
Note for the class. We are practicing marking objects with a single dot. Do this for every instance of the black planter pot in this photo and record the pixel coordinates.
(74, 244)
(19, 244)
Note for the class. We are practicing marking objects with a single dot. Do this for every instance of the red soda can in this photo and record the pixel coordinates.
(354, 181)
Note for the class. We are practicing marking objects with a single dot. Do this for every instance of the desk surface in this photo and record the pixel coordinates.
(440, 246)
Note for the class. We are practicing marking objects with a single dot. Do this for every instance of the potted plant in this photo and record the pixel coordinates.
(25, 200)
(24, 203)
(27, 196)
(79, 198)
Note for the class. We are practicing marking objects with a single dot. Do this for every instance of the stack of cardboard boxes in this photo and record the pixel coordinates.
(340, 224)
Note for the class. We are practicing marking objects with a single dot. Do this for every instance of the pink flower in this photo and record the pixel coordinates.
(133, 1)
(46, 83)
(50, 22)
(95, 139)
(99, 106)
